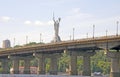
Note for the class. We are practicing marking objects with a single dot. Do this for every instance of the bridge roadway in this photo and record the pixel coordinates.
(81, 47)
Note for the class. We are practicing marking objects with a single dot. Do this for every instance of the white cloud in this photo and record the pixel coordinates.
(41, 23)
(38, 23)
(28, 22)
(5, 19)
(75, 10)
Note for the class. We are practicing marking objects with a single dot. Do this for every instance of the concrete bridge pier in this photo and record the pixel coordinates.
(73, 63)
(5, 68)
(86, 62)
(15, 62)
(86, 66)
(27, 65)
(115, 63)
(41, 63)
(54, 63)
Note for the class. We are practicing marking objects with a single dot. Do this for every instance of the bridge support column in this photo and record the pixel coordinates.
(15, 66)
(53, 65)
(5, 69)
(86, 62)
(73, 63)
(41, 63)
(115, 64)
(27, 66)
(86, 66)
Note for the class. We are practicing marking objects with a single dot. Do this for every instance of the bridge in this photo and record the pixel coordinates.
(80, 47)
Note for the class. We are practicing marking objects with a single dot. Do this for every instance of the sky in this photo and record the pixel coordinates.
(30, 18)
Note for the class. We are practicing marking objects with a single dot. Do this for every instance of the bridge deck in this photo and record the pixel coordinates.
(58, 46)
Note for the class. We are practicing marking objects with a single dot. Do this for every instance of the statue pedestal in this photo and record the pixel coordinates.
(56, 39)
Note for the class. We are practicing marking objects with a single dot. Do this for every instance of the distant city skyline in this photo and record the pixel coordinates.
(33, 19)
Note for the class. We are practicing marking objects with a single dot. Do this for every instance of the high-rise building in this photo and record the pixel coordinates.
(6, 43)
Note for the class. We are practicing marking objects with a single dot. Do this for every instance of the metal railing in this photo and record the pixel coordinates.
(69, 42)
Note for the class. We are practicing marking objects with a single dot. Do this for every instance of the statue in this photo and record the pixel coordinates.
(56, 26)
(56, 29)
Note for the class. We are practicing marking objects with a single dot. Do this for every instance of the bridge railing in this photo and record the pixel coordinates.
(63, 42)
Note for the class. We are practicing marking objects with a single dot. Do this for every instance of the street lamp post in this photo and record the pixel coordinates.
(73, 33)
(117, 28)
(40, 37)
(87, 35)
(14, 43)
(106, 33)
(26, 39)
(93, 31)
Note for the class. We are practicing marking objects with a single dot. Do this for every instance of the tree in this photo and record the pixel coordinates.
(64, 62)
(100, 63)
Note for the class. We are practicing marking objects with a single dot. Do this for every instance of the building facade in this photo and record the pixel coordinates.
(6, 44)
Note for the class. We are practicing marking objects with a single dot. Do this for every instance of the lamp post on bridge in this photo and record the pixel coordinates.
(14, 42)
(106, 33)
(93, 31)
(26, 39)
(87, 35)
(40, 37)
(117, 28)
(73, 32)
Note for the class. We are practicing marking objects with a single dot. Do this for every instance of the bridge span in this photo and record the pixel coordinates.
(81, 47)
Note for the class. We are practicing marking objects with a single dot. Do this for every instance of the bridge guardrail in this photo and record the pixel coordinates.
(63, 42)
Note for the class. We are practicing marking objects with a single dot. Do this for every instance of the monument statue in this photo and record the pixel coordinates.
(56, 29)
(56, 26)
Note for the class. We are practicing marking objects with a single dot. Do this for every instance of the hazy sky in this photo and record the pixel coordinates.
(21, 18)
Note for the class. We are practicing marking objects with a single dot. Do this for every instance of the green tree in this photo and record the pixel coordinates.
(100, 63)
(64, 62)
